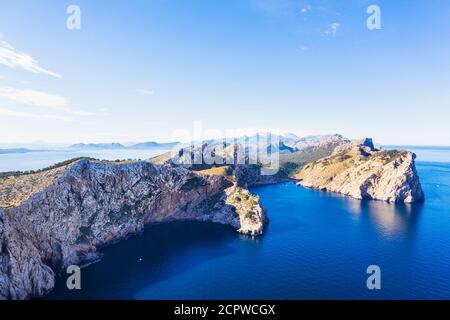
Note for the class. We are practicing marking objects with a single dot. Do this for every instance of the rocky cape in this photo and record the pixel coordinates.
(61, 216)
(329, 163)
(359, 170)
(89, 204)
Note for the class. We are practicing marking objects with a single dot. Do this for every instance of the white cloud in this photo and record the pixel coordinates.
(332, 29)
(13, 58)
(104, 111)
(303, 48)
(33, 97)
(145, 91)
(39, 99)
(20, 114)
(78, 112)
(305, 9)
(3, 78)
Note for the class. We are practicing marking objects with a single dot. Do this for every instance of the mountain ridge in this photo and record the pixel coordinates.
(119, 146)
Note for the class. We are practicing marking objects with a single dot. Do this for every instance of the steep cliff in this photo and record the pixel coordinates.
(247, 206)
(91, 204)
(361, 171)
(58, 217)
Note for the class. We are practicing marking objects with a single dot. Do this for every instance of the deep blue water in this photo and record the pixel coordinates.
(317, 245)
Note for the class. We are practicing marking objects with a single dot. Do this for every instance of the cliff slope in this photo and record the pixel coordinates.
(359, 170)
(330, 162)
(91, 204)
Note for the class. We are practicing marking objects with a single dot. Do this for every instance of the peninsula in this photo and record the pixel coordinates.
(62, 215)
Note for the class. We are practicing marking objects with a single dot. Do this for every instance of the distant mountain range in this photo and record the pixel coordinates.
(118, 146)
(153, 145)
(292, 150)
(288, 142)
(284, 143)
(96, 146)
(17, 150)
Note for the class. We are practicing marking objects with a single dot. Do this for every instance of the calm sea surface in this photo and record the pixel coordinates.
(42, 159)
(317, 245)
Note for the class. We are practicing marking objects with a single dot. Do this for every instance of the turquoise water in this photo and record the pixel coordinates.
(317, 245)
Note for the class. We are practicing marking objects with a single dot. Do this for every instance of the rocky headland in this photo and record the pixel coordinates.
(75, 209)
(359, 170)
(62, 215)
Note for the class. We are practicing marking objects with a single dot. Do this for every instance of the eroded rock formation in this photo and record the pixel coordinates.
(92, 204)
(359, 170)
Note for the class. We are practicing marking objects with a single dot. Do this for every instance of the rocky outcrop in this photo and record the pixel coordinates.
(249, 209)
(359, 170)
(93, 204)
(318, 141)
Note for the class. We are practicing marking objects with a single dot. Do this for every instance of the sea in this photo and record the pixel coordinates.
(317, 245)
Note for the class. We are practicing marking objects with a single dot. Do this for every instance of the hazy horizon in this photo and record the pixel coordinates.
(30, 144)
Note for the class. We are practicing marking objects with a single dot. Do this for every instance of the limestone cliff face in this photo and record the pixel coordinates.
(59, 217)
(359, 170)
(248, 207)
(22, 271)
(94, 204)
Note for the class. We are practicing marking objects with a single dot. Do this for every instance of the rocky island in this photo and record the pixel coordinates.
(61, 216)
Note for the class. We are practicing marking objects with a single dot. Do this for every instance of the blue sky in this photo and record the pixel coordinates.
(138, 70)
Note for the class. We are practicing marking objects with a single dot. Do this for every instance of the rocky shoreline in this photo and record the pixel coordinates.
(60, 217)
(361, 171)
(95, 204)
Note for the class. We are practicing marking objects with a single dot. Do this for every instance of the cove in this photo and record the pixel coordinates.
(317, 246)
